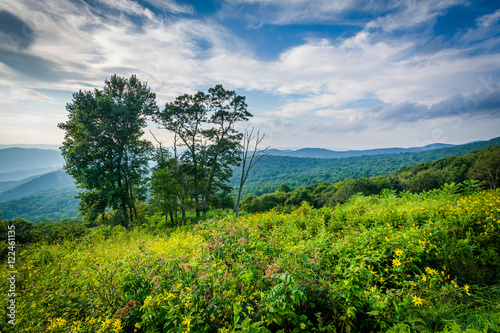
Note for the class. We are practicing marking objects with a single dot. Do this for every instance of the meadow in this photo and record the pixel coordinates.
(391, 262)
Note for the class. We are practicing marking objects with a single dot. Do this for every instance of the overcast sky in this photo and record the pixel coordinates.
(327, 73)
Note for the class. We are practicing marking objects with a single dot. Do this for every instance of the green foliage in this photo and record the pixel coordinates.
(486, 168)
(48, 205)
(205, 125)
(166, 187)
(103, 148)
(391, 262)
(272, 171)
(415, 179)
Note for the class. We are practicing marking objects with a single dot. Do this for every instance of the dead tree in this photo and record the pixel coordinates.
(247, 163)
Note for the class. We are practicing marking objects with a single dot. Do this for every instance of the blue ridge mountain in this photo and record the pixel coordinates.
(326, 153)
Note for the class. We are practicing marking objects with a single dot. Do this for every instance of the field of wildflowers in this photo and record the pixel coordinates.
(398, 263)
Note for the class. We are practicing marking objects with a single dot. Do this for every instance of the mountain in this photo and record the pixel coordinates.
(272, 171)
(22, 175)
(38, 146)
(47, 205)
(19, 163)
(51, 195)
(326, 153)
(52, 180)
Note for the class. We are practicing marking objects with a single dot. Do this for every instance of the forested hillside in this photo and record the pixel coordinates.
(50, 203)
(47, 205)
(478, 169)
(272, 171)
(51, 180)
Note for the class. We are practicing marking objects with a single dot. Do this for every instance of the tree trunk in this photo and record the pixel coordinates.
(238, 201)
(132, 204)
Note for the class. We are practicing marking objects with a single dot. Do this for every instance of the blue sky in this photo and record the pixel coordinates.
(343, 74)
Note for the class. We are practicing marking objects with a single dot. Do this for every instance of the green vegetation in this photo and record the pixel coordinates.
(51, 180)
(262, 179)
(480, 168)
(402, 263)
(205, 125)
(47, 205)
(103, 148)
(415, 250)
(272, 171)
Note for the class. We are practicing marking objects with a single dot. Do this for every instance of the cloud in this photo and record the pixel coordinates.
(285, 12)
(171, 6)
(74, 45)
(489, 20)
(412, 13)
(14, 32)
(389, 15)
(485, 103)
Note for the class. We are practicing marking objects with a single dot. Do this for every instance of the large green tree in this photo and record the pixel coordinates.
(103, 148)
(487, 167)
(205, 125)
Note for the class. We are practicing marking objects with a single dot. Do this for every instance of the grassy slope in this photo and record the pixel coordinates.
(375, 263)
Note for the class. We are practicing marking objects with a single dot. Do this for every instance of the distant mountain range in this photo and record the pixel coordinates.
(33, 185)
(52, 180)
(20, 163)
(326, 153)
(272, 171)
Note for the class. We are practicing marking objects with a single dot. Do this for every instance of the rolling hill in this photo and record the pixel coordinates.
(47, 205)
(52, 180)
(51, 195)
(272, 171)
(326, 153)
(20, 163)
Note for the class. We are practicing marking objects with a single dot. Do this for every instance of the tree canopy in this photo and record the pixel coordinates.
(103, 148)
(205, 125)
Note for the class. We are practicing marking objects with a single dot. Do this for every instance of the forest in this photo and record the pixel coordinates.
(410, 248)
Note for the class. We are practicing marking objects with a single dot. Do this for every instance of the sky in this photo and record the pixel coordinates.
(343, 74)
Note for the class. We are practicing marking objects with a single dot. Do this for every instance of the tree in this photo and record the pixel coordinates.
(487, 167)
(223, 152)
(185, 117)
(103, 148)
(248, 162)
(166, 190)
(205, 125)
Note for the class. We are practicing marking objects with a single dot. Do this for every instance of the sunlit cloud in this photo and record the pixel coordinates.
(393, 58)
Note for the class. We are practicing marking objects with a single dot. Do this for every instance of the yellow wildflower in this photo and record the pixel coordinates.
(466, 287)
(396, 263)
(148, 300)
(117, 325)
(417, 301)
(399, 252)
(303, 326)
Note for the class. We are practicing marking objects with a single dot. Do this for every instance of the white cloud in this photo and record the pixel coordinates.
(411, 13)
(489, 19)
(79, 46)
